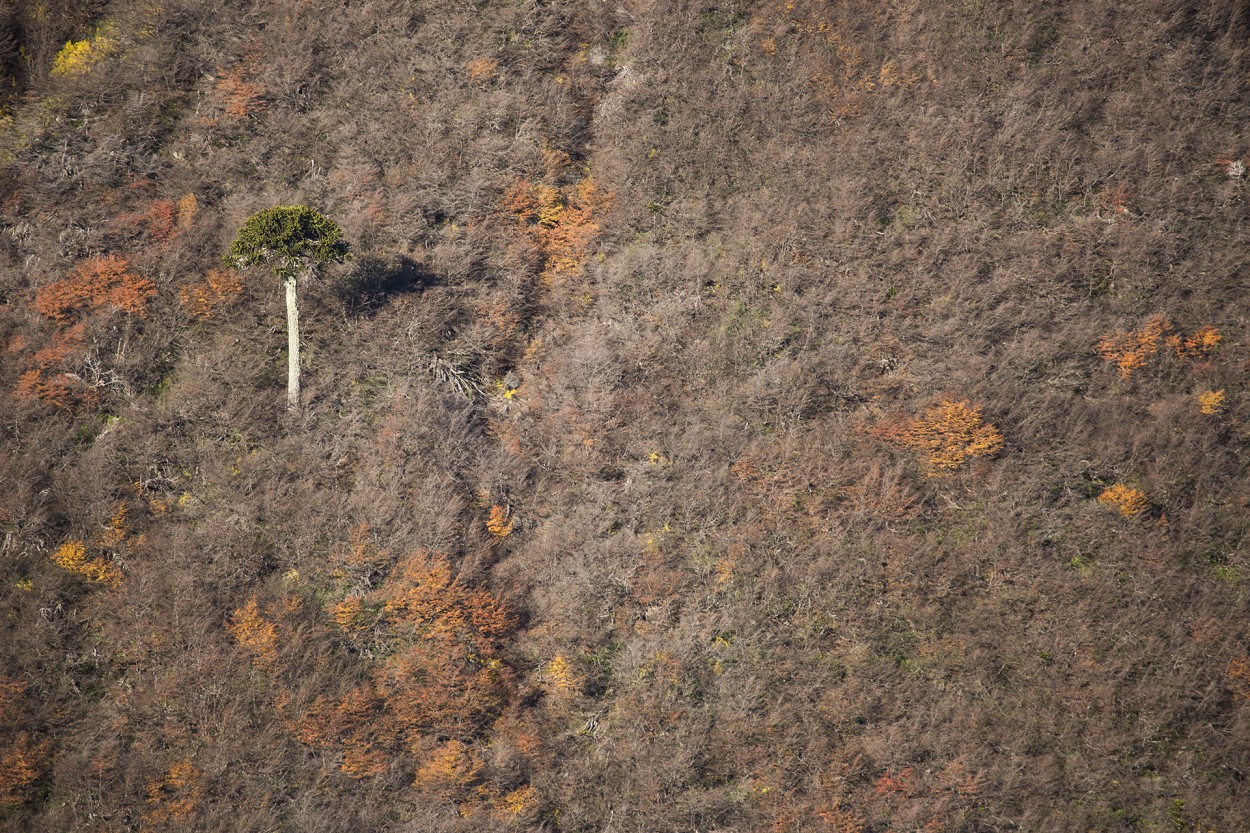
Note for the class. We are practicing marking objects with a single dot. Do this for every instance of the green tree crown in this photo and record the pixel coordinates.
(288, 238)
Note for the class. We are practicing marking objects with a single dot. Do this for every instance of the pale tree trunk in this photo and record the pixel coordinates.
(292, 346)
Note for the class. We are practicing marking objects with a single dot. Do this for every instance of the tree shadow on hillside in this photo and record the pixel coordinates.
(376, 281)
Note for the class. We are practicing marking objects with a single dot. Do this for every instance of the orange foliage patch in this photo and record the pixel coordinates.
(96, 282)
(482, 71)
(254, 633)
(1133, 350)
(239, 91)
(46, 378)
(890, 783)
(1239, 676)
(116, 530)
(1200, 345)
(443, 676)
(1128, 501)
(174, 797)
(22, 760)
(450, 772)
(159, 223)
(216, 289)
(1130, 351)
(348, 614)
(947, 434)
(354, 725)
(563, 225)
(839, 819)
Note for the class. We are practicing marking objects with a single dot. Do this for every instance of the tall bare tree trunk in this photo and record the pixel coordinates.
(292, 346)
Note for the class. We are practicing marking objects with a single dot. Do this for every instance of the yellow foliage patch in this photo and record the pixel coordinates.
(499, 522)
(1128, 501)
(77, 57)
(1211, 402)
(518, 803)
(188, 209)
(559, 674)
(72, 556)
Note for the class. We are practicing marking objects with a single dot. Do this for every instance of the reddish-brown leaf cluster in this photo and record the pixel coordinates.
(562, 223)
(96, 282)
(216, 289)
(47, 377)
(23, 756)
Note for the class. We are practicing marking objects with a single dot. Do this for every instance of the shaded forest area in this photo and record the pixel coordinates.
(738, 416)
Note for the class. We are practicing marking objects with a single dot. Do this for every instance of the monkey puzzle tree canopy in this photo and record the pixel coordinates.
(288, 238)
(291, 240)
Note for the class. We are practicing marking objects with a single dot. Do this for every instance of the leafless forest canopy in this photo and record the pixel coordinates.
(737, 415)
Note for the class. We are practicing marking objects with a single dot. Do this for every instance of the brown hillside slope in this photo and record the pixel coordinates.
(747, 416)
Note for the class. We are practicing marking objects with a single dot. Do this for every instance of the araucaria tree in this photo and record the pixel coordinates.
(294, 241)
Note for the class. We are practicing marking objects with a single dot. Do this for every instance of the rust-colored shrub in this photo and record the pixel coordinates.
(159, 222)
(173, 798)
(96, 282)
(840, 819)
(216, 289)
(1133, 350)
(355, 726)
(1239, 677)
(254, 633)
(563, 225)
(481, 71)
(947, 435)
(1203, 342)
(48, 377)
(59, 390)
(1128, 501)
(22, 761)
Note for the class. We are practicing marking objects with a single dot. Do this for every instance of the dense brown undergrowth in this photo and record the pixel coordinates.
(749, 416)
